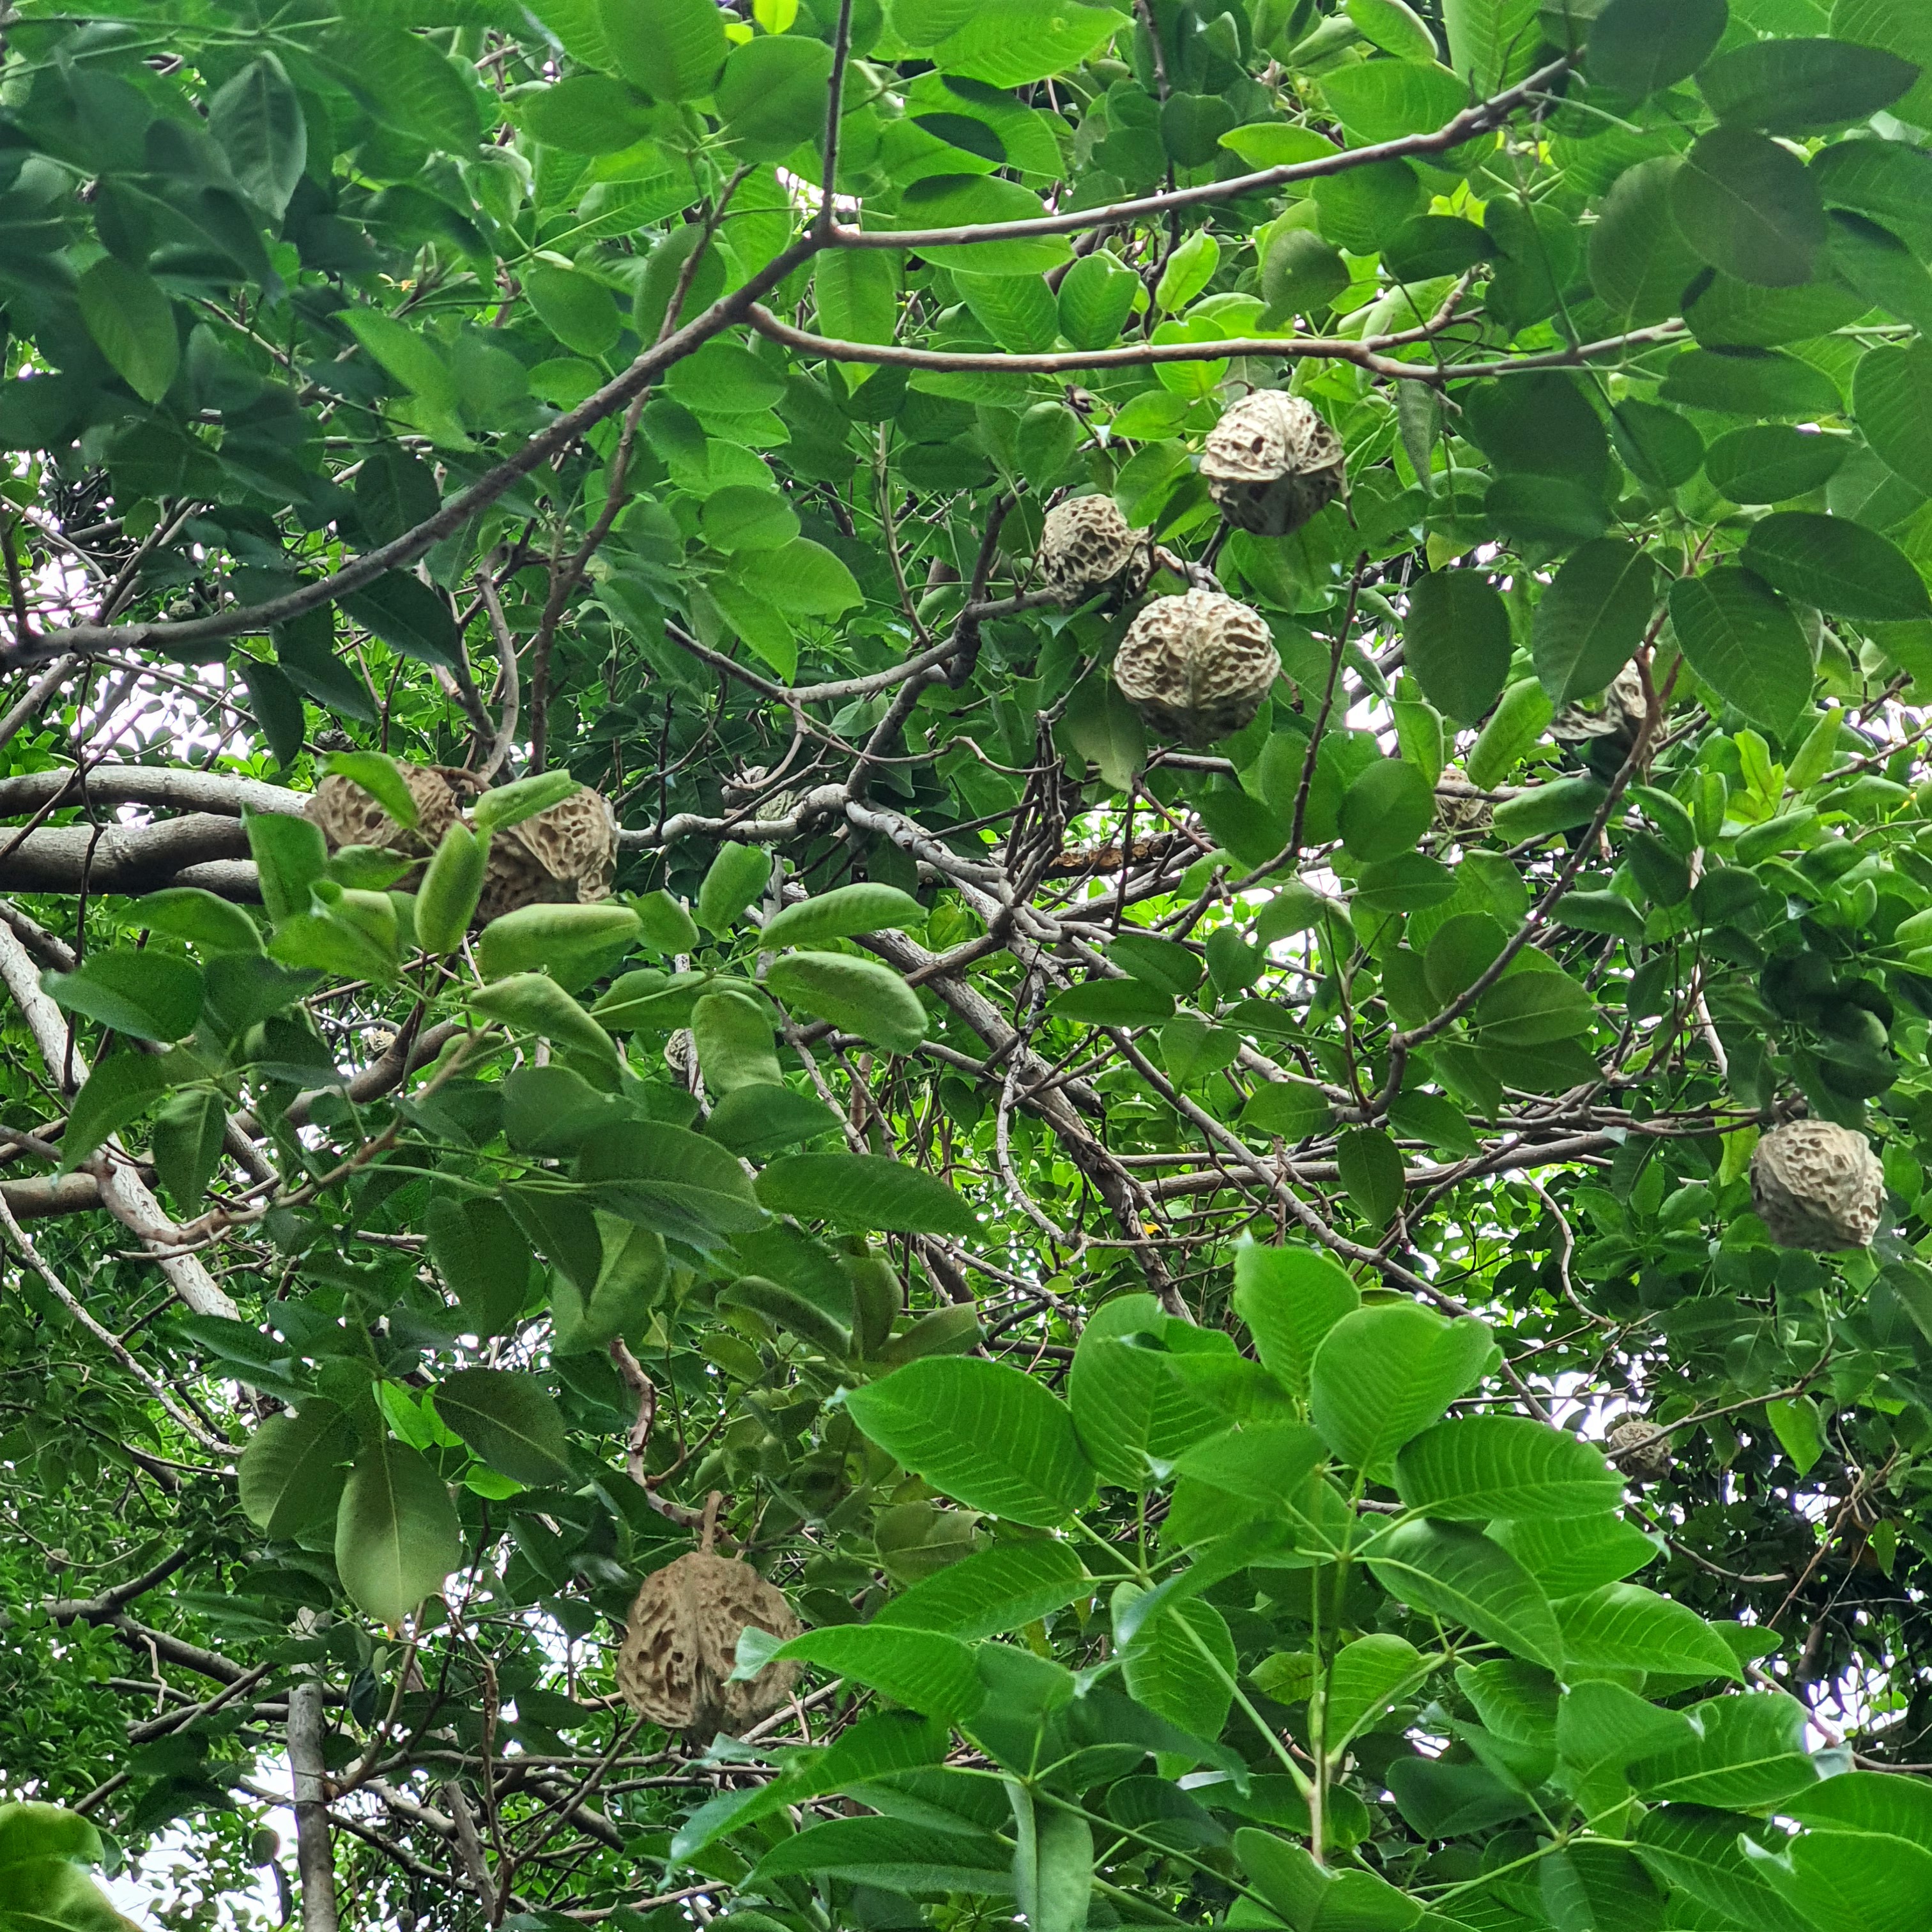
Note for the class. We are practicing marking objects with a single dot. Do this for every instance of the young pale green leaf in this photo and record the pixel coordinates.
(737, 876)
(561, 940)
(1522, 715)
(925, 1670)
(1382, 1375)
(981, 1432)
(1476, 1467)
(992, 1593)
(511, 1421)
(396, 1534)
(1364, 1679)
(860, 996)
(1624, 1626)
(290, 855)
(534, 1003)
(735, 1043)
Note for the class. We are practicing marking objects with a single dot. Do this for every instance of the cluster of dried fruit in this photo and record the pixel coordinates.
(680, 1647)
(1197, 668)
(567, 853)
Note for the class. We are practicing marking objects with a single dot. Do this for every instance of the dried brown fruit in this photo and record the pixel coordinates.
(568, 853)
(1271, 463)
(348, 815)
(1641, 1449)
(1817, 1185)
(1086, 545)
(1197, 666)
(1619, 714)
(680, 1646)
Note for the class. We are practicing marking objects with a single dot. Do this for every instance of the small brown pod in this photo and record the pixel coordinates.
(1817, 1185)
(568, 853)
(1087, 546)
(1197, 666)
(1618, 714)
(680, 1646)
(1271, 464)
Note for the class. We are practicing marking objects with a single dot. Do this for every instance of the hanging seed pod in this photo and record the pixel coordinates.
(680, 1646)
(568, 853)
(1817, 1185)
(1640, 1449)
(1086, 545)
(348, 815)
(1197, 666)
(1619, 714)
(1271, 463)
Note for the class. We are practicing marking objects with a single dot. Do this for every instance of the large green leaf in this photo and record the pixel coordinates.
(992, 1593)
(926, 1670)
(983, 1433)
(1891, 395)
(1744, 641)
(1748, 206)
(1749, 1755)
(1592, 619)
(864, 1191)
(1457, 637)
(1290, 1297)
(892, 1855)
(1638, 46)
(510, 1420)
(1382, 1375)
(1458, 1574)
(1624, 1626)
(148, 993)
(1476, 1467)
(396, 1535)
(291, 1474)
(128, 314)
(864, 997)
(671, 49)
(1838, 565)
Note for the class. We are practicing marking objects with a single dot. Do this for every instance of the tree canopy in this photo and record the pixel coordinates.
(1091, 841)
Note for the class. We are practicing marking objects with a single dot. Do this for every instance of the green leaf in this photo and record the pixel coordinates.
(733, 1037)
(1369, 1165)
(1843, 1880)
(743, 517)
(1744, 643)
(1293, 1109)
(1302, 1893)
(255, 119)
(510, 1420)
(482, 1255)
(1749, 1756)
(1639, 47)
(1458, 1574)
(864, 1191)
(1290, 1297)
(1128, 1002)
(1381, 101)
(199, 917)
(927, 1671)
(774, 94)
(407, 356)
(802, 578)
(1053, 1863)
(756, 1120)
(1523, 712)
(1386, 810)
(378, 775)
(578, 310)
(1771, 462)
(1456, 637)
(992, 1593)
(564, 941)
(986, 1434)
(1838, 565)
(1891, 396)
(890, 1855)
(865, 997)
(737, 876)
(1013, 43)
(1794, 86)
(1365, 1678)
(1096, 296)
(150, 995)
(670, 49)
(1392, 26)
(1475, 1467)
(412, 619)
(857, 293)
(396, 1534)
(186, 1145)
(1624, 1626)
(1749, 382)
(533, 1003)
(1170, 1663)
(291, 1475)
(582, 114)
(1869, 1801)
(1491, 42)
(1592, 618)
(1532, 1009)
(1748, 207)
(1382, 1375)
(1570, 1556)
(119, 1090)
(128, 314)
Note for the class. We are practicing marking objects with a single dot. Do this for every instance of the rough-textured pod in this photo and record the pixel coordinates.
(1197, 666)
(349, 816)
(1817, 1185)
(1086, 545)
(680, 1646)
(568, 853)
(1640, 1449)
(1271, 463)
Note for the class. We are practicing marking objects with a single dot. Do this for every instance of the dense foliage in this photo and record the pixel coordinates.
(1145, 1244)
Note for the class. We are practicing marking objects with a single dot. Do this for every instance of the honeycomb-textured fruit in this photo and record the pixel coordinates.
(1271, 463)
(1086, 545)
(1640, 1449)
(1817, 1185)
(569, 852)
(1197, 666)
(348, 815)
(1617, 714)
(680, 1646)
